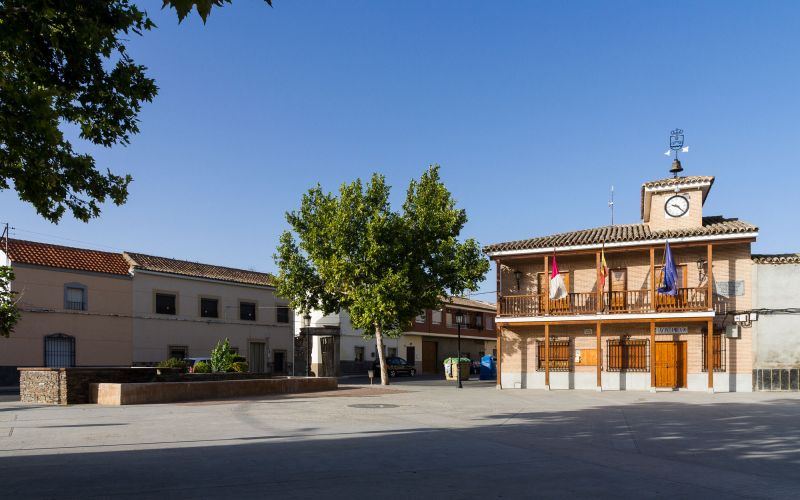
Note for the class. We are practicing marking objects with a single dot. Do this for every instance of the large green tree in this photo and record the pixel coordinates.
(64, 62)
(354, 252)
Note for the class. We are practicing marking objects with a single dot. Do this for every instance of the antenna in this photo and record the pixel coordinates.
(611, 205)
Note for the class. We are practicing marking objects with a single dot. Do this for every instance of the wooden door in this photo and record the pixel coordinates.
(256, 357)
(619, 287)
(429, 356)
(680, 364)
(411, 355)
(560, 306)
(279, 361)
(666, 364)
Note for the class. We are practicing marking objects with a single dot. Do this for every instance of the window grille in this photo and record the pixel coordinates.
(560, 355)
(59, 351)
(628, 355)
(719, 353)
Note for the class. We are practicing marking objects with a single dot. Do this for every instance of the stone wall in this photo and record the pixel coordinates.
(46, 386)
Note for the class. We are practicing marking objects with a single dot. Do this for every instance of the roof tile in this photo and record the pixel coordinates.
(198, 270)
(79, 259)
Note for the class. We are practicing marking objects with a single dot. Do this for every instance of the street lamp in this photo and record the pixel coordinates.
(459, 320)
(307, 326)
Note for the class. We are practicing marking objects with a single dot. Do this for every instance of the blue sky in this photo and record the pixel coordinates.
(532, 109)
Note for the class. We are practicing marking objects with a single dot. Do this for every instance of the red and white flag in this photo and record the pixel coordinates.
(557, 288)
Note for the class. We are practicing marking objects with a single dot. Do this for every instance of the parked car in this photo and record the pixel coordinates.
(190, 362)
(396, 366)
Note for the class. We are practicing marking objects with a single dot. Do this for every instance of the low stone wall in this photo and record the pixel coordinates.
(71, 385)
(169, 392)
(776, 379)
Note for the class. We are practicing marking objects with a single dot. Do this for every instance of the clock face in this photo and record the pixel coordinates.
(676, 206)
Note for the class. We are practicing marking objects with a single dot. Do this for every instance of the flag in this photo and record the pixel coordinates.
(685, 149)
(603, 268)
(668, 152)
(670, 285)
(557, 288)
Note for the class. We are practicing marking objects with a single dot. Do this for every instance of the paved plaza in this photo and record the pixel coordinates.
(417, 439)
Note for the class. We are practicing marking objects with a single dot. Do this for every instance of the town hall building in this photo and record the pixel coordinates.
(612, 329)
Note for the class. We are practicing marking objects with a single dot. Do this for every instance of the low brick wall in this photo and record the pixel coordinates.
(776, 379)
(169, 392)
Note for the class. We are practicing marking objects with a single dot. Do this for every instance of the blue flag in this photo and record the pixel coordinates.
(670, 274)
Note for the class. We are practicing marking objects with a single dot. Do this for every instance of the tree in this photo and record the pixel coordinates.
(9, 312)
(385, 267)
(65, 62)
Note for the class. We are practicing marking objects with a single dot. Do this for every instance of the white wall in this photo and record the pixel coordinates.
(153, 333)
(776, 337)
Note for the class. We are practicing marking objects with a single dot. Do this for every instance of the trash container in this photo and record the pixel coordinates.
(488, 368)
(450, 371)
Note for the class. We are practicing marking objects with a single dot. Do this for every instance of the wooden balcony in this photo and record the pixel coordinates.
(617, 302)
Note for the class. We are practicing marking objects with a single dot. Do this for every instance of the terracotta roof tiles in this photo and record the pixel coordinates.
(78, 259)
(780, 258)
(198, 270)
(712, 226)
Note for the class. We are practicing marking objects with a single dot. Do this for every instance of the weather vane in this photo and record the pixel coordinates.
(676, 144)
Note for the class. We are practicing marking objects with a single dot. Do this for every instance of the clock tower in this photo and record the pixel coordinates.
(675, 203)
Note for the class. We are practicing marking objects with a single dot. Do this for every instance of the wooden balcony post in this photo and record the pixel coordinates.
(599, 357)
(499, 288)
(546, 285)
(710, 355)
(599, 288)
(547, 356)
(653, 279)
(709, 279)
(652, 351)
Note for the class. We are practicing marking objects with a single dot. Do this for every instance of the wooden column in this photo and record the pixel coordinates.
(599, 356)
(709, 279)
(710, 355)
(599, 288)
(652, 278)
(546, 285)
(547, 355)
(499, 292)
(652, 350)
(499, 356)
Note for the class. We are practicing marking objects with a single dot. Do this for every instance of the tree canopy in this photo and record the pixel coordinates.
(354, 252)
(9, 312)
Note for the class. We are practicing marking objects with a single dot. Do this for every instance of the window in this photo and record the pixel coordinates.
(59, 351)
(479, 321)
(436, 317)
(451, 318)
(628, 355)
(178, 351)
(247, 311)
(392, 352)
(421, 318)
(719, 353)
(559, 355)
(209, 308)
(283, 314)
(75, 297)
(165, 303)
(489, 323)
(358, 355)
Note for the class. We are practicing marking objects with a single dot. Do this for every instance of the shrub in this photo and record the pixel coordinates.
(237, 358)
(172, 363)
(201, 367)
(239, 366)
(222, 356)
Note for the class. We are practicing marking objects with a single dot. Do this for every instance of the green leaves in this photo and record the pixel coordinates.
(383, 266)
(67, 64)
(9, 312)
(222, 356)
(184, 7)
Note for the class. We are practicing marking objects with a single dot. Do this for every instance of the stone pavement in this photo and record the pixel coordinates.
(416, 439)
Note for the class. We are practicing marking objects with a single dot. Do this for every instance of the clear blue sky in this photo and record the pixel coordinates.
(533, 110)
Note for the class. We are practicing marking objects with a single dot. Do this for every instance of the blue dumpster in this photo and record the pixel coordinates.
(488, 368)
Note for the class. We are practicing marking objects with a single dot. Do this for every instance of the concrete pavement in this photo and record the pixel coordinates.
(421, 438)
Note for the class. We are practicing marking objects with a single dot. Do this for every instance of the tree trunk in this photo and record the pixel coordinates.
(381, 357)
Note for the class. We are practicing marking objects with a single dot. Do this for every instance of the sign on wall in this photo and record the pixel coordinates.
(672, 330)
(729, 288)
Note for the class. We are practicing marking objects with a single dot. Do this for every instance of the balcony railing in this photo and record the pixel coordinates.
(615, 302)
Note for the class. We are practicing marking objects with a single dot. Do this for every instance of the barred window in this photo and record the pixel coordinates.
(719, 353)
(559, 355)
(628, 355)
